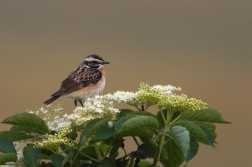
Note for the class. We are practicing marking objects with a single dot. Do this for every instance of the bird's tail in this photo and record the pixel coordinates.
(49, 101)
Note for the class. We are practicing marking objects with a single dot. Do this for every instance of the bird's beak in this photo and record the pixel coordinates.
(105, 62)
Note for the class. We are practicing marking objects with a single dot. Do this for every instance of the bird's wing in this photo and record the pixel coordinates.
(78, 79)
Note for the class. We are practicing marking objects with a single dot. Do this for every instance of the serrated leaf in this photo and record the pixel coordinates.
(31, 155)
(136, 126)
(206, 115)
(90, 129)
(107, 162)
(28, 120)
(8, 157)
(181, 137)
(171, 156)
(123, 113)
(209, 131)
(144, 113)
(211, 127)
(14, 136)
(57, 160)
(143, 152)
(152, 147)
(194, 147)
(103, 133)
(194, 130)
(6, 146)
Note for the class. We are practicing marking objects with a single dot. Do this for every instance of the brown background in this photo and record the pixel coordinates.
(203, 47)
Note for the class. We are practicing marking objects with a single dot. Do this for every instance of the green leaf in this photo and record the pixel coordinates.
(123, 113)
(14, 136)
(116, 145)
(144, 113)
(108, 162)
(209, 126)
(76, 163)
(194, 129)
(144, 164)
(207, 115)
(8, 157)
(57, 160)
(103, 147)
(103, 133)
(122, 162)
(45, 154)
(6, 146)
(68, 158)
(151, 146)
(171, 155)
(90, 151)
(136, 126)
(90, 129)
(143, 152)
(209, 130)
(31, 155)
(28, 120)
(181, 136)
(194, 147)
(72, 135)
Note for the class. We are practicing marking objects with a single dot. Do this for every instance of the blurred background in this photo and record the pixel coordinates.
(204, 47)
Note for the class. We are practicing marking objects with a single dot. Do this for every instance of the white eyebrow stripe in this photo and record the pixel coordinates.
(90, 59)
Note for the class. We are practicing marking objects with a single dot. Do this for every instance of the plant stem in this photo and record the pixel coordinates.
(92, 159)
(136, 141)
(175, 119)
(164, 119)
(160, 145)
(162, 138)
(98, 153)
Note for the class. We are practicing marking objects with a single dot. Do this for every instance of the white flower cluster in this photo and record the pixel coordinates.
(59, 123)
(166, 90)
(97, 107)
(146, 95)
(51, 115)
(123, 97)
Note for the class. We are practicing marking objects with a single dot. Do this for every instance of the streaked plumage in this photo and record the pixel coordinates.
(87, 80)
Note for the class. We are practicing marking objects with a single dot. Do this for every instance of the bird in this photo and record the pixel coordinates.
(85, 81)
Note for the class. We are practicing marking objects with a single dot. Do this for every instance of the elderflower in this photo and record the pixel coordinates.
(51, 115)
(146, 96)
(57, 139)
(181, 103)
(124, 97)
(97, 107)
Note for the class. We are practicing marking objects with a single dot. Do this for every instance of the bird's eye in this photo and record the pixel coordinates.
(94, 61)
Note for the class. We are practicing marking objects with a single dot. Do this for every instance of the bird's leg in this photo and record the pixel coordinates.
(81, 103)
(75, 103)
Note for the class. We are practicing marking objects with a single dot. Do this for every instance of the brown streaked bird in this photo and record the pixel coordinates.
(86, 81)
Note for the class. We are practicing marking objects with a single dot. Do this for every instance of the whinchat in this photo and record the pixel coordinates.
(86, 81)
